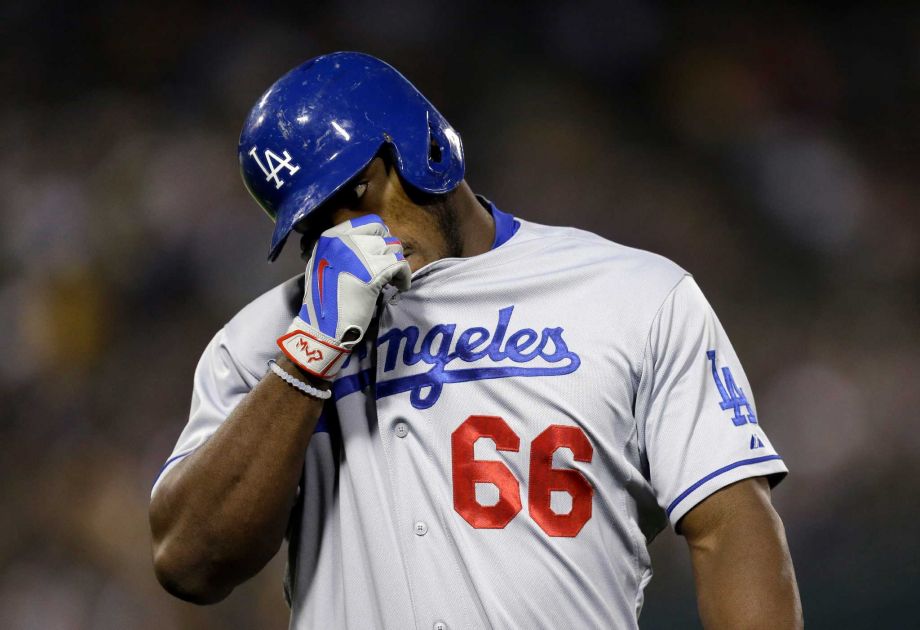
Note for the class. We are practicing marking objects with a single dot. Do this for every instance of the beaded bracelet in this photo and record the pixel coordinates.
(322, 394)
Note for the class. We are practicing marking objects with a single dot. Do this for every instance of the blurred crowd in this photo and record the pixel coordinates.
(773, 152)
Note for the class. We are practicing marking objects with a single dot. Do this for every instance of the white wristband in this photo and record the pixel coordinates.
(322, 394)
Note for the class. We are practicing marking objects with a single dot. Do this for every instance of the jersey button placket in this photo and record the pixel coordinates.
(402, 429)
(421, 528)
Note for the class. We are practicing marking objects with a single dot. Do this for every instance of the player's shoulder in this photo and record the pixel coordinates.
(250, 335)
(622, 265)
(280, 302)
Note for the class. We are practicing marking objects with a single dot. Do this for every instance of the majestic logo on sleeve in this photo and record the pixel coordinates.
(732, 396)
(445, 355)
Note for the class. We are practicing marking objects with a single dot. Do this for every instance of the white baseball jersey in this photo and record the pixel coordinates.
(503, 446)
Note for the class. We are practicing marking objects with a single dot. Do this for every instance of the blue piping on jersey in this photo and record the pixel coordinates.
(716, 473)
(173, 459)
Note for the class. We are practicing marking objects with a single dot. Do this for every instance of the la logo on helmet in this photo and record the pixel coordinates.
(275, 164)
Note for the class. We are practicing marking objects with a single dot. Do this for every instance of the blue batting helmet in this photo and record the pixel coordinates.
(324, 121)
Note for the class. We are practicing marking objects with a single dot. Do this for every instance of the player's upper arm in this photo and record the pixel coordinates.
(697, 418)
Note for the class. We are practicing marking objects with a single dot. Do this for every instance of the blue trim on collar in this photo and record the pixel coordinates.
(505, 224)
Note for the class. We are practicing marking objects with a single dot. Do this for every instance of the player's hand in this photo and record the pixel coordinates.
(348, 268)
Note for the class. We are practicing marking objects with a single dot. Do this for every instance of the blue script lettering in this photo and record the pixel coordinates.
(394, 338)
(439, 350)
(466, 345)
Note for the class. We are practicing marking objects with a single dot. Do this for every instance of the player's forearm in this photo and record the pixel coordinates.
(221, 513)
(744, 574)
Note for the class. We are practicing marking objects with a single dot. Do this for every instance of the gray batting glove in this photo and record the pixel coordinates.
(348, 268)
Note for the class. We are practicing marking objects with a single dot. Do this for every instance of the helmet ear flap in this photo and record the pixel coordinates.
(438, 147)
(433, 162)
(435, 147)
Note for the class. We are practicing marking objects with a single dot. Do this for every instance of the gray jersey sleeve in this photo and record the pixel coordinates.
(220, 384)
(698, 422)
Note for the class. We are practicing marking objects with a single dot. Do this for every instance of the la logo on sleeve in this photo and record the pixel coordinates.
(732, 396)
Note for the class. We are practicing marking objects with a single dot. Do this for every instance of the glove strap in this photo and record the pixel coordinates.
(311, 351)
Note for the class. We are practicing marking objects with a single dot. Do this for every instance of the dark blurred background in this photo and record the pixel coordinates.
(771, 150)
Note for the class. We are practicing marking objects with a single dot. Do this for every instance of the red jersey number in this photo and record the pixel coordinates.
(544, 479)
(467, 472)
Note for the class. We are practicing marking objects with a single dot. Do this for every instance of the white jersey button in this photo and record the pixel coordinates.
(421, 528)
(439, 625)
(402, 430)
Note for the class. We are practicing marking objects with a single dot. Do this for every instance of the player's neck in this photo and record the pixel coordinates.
(477, 227)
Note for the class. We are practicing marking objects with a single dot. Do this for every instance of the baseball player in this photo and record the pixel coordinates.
(458, 418)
